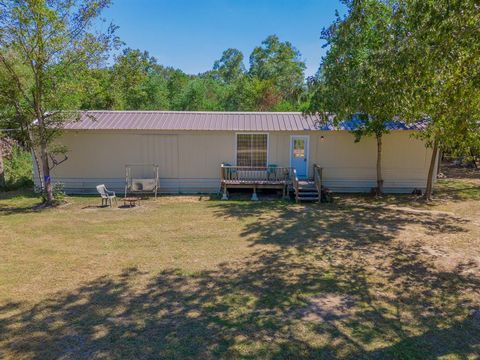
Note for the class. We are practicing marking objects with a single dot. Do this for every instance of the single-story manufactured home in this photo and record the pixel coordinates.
(190, 147)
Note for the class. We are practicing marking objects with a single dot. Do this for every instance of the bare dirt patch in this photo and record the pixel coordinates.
(327, 307)
(451, 170)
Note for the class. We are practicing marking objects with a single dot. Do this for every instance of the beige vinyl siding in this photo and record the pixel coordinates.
(350, 165)
(190, 160)
(163, 151)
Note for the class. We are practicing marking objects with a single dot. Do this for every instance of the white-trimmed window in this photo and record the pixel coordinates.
(252, 149)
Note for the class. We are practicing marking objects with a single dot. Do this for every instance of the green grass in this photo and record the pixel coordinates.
(459, 190)
(190, 277)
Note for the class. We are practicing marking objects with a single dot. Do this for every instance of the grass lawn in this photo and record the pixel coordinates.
(191, 277)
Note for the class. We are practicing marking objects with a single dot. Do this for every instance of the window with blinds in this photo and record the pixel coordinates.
(252, 149)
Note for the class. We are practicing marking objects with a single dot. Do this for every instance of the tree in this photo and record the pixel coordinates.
(9, 118)
(201, 94)
(468, 148)
(253, 94)
(177, 81)
(156, 91)
(230, 66)
(44, 48)
(355, 79)
(280, 63)
(2, 169)
(438, 56)
(97, 90)
(138, 83)
(240, 95)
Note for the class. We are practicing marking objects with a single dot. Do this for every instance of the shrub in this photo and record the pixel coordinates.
(58, 191)
(18, 168)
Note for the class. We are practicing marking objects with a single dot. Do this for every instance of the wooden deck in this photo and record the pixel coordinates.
(254, 177)
(271, 177)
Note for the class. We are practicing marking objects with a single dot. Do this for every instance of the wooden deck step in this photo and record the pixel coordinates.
(308, 193)
(307, 188)
(306, 185)
(309, 198)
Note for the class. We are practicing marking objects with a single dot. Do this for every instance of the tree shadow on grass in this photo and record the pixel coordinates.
(11, 210)
(28, 208)
(446, 190)
(16, 202)
(276, 303)
(457, 190)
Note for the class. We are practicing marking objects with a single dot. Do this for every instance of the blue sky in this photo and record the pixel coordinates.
(192, 34)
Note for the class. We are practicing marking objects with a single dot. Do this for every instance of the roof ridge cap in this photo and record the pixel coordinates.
(199, 112)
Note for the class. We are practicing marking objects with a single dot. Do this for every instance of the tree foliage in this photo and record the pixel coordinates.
(45, 48)
(415, 60)
(438, 47)
(355, 79)
(136, 81)
(52, 61)
(387, 60)
(281, 64)
(230, 67)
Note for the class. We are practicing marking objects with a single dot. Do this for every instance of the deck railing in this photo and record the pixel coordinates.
(295, 183)
(255, 173)
(317, 177)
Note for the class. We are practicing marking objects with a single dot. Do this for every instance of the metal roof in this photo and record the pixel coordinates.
(208, 121)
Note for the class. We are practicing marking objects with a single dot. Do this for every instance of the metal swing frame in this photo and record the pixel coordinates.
(137, 185)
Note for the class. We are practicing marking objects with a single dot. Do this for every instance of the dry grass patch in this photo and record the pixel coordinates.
(190, 277)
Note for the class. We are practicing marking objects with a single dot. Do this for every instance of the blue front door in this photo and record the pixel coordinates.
(299, 155)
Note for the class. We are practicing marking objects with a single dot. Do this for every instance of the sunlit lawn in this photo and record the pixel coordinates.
(191, 277)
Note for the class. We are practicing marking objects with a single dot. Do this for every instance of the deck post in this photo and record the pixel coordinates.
(225, 193)
(222, 178)
(254, 195)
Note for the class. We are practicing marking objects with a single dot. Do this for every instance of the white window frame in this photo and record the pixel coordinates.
(307, 150)
(252, 133)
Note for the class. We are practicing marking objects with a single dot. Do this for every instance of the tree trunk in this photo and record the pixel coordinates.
(36, 158)
(48, 192)
(474, 159)
(2, 171)
(379, 165)
(433, 161)
(47, 188)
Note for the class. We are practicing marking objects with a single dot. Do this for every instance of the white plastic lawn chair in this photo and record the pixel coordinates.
(106, 195)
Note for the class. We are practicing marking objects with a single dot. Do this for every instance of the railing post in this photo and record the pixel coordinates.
(223, 183)
(295, 183)
(317, 177)
(319, 174)
(321, 177)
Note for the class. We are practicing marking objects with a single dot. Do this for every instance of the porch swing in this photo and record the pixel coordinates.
(141, 179)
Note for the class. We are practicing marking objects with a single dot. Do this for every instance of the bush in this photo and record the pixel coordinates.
(18, 169)
(58, 190)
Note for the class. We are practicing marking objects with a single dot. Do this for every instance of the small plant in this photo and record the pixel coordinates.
(326, 195)
(58, 190)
